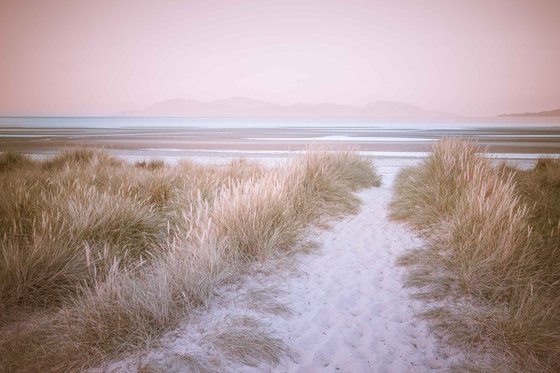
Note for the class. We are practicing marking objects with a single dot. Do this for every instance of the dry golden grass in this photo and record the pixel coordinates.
(493, 253)
(98, 257)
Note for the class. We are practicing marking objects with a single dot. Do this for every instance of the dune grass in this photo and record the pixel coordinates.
(98, 256)
(492, 259)
(246, 340)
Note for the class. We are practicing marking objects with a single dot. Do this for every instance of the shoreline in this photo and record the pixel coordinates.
(268, 137)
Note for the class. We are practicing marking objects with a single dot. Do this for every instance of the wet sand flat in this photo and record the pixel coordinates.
(402, 137)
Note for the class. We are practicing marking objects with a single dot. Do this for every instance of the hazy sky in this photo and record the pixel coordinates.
(100, 57)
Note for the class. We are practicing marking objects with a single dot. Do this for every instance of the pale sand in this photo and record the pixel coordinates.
(348, 310)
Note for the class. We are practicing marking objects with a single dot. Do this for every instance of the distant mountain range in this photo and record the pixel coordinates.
(246, 107)
(549, 113)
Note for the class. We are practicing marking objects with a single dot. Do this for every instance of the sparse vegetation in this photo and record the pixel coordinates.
(246, 340)
(492, 258)
(98, 256)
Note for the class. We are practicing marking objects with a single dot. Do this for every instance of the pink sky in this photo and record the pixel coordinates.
(100, 57)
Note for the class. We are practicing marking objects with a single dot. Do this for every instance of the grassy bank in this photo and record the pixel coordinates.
(98, 256)
(492, 259)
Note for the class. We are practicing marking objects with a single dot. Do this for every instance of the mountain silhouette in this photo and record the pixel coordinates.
(247, 107)
(549, 113)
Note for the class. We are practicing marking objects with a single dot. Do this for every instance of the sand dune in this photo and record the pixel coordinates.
(341, 308)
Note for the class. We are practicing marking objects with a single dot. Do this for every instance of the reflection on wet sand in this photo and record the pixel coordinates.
(388, 138)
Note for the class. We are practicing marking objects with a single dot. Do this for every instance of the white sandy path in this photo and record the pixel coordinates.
(352, 313)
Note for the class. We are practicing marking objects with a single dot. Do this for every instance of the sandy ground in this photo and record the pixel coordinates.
(340, 308)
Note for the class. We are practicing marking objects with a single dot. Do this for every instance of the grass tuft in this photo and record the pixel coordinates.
(247, 341)
(152, 165)
(492, 254)
(11, 160)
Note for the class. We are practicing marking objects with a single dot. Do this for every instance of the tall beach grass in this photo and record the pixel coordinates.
(492, 259)
(99, 256)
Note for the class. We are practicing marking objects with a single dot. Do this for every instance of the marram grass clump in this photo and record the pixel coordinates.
(492, 256)
(98, 256)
